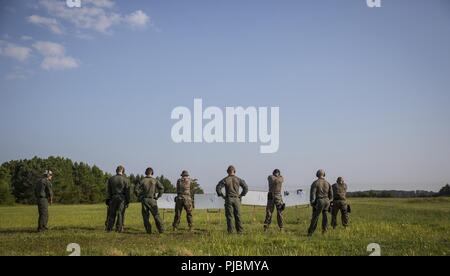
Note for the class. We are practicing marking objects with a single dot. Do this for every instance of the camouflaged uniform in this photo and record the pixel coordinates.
(148, 191)
(320, 196)
(274, 200)
(44, 193)
(339, 204)
(232, 200)
(119, 197)
(183, 201)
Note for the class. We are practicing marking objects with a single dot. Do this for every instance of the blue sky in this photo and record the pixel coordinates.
(363, 93)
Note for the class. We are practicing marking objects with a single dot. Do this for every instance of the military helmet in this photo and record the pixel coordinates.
(320, 173)
(340, 179)
(185, 173)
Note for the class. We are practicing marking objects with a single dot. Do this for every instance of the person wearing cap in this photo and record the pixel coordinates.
(148, 191)
(320, 196)
(232, 197)
(274, 199)
(44, 196)
(118, 198)
(183, 200)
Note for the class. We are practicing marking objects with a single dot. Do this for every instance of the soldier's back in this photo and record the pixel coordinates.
(232, 184)
(322, 188)
(118, 184)
(148, 187)
(340, 191)
(184, 186)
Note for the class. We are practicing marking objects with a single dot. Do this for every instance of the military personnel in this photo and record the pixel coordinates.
(320, 196)
(148, 191)
(183, 201)
(44, 196)
(274, 199)
(119, 198)
(339, 203)
(232, 197)
(108, 204)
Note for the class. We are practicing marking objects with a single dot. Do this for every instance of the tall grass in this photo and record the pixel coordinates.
(400, 226)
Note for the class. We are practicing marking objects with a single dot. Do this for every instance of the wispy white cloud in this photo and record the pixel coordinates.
(49, 23)
(55, 57)
(137, 19)
(14, 51)
(95, 15)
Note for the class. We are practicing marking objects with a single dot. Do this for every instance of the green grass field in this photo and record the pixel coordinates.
(399, 226)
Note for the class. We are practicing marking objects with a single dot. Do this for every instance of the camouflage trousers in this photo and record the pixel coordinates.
(150, 206)
(42, 204)
(233, 209)
(339, 205)
(183, 202)
(320, 207)
(274, 201)
(116, 213)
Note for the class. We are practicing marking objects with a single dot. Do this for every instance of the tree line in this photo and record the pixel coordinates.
(80, 183)
(73, 182)
(444, 191)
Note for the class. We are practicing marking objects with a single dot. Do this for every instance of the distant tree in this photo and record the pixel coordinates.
(6, 196)
(72, 182)
(445, 191)
(195, 188)
(168, 187)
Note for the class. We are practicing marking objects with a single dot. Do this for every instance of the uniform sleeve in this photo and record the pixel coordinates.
(269, 180)
(109, 188)
(127, 191)
(178, 186)
(160, 188)
(244, 187)
(219, 188)
(312, 194)
(49, 189)
(330, 192)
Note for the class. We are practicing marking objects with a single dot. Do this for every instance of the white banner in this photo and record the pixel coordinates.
(297, 197)
(253, 198)
(167, 201)
(209, 201)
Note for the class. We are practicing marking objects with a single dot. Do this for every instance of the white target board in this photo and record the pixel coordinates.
(209, 201)
(255, 198)
(296, 197)
(167, 201)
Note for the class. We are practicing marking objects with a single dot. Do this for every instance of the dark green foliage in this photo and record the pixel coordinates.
(445, 191)
(168, 187)
(6, 196)
(73, 183)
